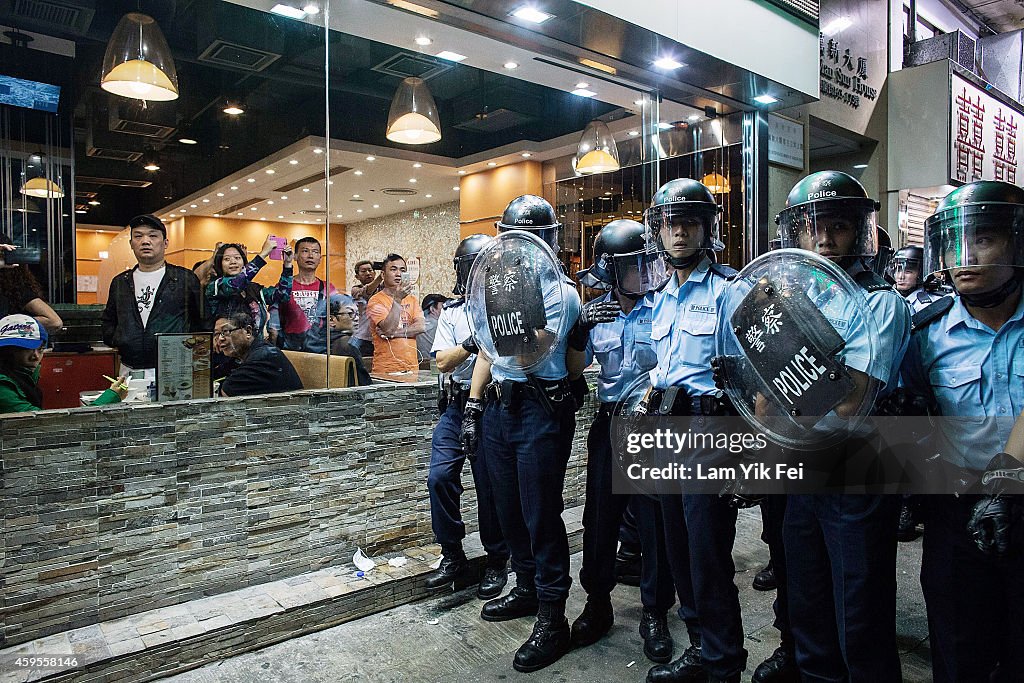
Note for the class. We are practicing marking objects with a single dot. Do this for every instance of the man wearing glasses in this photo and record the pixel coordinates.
(262, 368)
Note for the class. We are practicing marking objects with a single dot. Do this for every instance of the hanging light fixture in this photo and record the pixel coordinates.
(138, 62)
(716, 183)
(596, 152)
(43, 188)
(413, 118)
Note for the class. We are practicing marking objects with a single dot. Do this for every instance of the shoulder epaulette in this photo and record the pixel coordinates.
(871, 281)
(723, 271)
(930, 313)
(452, 303)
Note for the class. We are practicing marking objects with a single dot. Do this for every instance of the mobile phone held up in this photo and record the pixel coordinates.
(406, 279)
(277, 253)
(377, 265)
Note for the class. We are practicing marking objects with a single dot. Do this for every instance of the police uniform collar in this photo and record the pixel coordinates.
(959, 314)
(452, 303)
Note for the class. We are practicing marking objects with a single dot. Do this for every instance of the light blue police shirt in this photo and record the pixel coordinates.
(921, 298)
(623, 348)
(453, 329)
(553, 367)
(973, 372)
(683, 330)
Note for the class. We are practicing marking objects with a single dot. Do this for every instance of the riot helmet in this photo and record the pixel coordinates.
(465, 254)
(625, 260)
(977, 234)
(677, 209)
(830, 213)
(533, 214)
(905, 268)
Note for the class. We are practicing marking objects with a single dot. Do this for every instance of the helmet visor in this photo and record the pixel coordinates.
(833, 229)
(905, 271)
(975, 236)
(463, 264)
(639, 272)
(681, 228)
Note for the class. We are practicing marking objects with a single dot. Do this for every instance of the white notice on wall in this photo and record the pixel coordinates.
(785, 141)
(88, 283)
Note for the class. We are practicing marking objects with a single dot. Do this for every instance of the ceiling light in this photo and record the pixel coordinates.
(187, 141)
(583, 92)
(42, 188)
(412, 180)
(638, 103)
(667, 63)
(462, 173)
(413, 119)
(270, 171)
(599, 66)
(239, 213)
(206, 201)
(233, 110)
(526, 155)
(837, 25)
(634, 133)
(766, 99)
(311, 9)
(423, 40)
(417, 165)
(371, 158)
(450, 56)
(359, 210)
(305, 189)
(665, 126)
(316, 206)
(252, 208)
(401, 201)
(284, 196)
(94, 203)
(317, 150)
(355, 196)
(693, 118)
(182, 210)
(250, 180)
(270, 201)
(456, 188)
(152, 166)
(193, 206)
(234, 187)
(262, 218)
(376, 206)
(491, 163)
(428, 196)
(288, 11)
(337, 215)
(596, 151)
(76, 210)
(280, 216)
(531, 14)
(220, 194)
(860, 165)
(138, 62)
(582, 84)
(511, 65)
(357, 172)
(293, 162)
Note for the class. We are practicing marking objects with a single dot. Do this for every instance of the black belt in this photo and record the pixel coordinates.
(510, 394)
(606, 409)
(671, 403)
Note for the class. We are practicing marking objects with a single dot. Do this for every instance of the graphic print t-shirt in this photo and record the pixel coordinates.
(146, 285)
(301, 313)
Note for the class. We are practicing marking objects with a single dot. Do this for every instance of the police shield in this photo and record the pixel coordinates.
(798, 349)
(516, 301)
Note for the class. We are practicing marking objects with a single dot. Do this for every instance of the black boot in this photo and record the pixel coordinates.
(492, 583)
(627, 567)
(595, 621)
(657, 638)
(520, 602)
(779, 668)
(453, 567)
(549, 640)
(687, 669)
(764, 580)
(907, 530)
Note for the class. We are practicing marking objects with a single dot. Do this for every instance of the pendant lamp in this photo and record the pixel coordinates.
(596, 152)
(42, 188)
(413, 118)
(716, 183)
(138, 62)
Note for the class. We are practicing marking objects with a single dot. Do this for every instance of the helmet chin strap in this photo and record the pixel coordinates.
(684, 261)
(998, 295)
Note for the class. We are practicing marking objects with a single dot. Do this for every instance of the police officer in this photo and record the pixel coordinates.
(455, 353)
(527, 431)
(699, 528)
(616, 330)
(840, 550)
(967, 352)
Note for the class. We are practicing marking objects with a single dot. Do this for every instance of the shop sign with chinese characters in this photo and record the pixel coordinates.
(844, 75)
(984, 135)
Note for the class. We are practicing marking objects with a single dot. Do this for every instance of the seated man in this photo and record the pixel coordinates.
(262, 368)
(344, 315)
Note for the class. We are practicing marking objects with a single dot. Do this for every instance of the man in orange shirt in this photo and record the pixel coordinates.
(395, 319)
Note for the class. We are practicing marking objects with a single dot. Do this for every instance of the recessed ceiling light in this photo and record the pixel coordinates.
(270, 201)
(582, 84)
(330, 182)
(462, 173)
(456, 188)
(855, 166)
(423, 40)
(250, 180)
(664, 126)
(428, 196)
(233, 110)
(359, 210)
(693, 118)
(96, 203)
(76, 211)
(187, 141)
(371, 158)
(667, 63)
(216, 215)
(239, 213)
(583, 92)
(316, 206)
(766, 99)
(638, 103)
(401, 201)
(450, 56)
(634, 133)
(288, 11)
(234, 187)
(337, 215)
(317, 150)
(182, 210)
(417, 165)
(262, 218)
(376, 206)
(491, 163)
(206, 201)
(252, 208)
(193, 206)
(270, 171)
(220, 194)
(305, 189)
(526, 155)
(357, 172)
(280, 216)
(511, 65)
(151, 166)
(355, 196)
(412, 180)
(311, 9)
(531, 14)
(293, 162)
(284, 196)
(607, 194)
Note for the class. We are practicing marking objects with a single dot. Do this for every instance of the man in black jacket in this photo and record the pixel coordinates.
(153, 297)
(262, 369)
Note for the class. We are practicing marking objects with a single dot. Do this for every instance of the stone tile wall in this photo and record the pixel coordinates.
(106, 512)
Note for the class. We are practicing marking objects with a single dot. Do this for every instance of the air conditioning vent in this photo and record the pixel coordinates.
(242, 205)
(235, 56)
(73, 17)
(315, 178)
(112, 182)
(112, 154)
(152, 122)
(494, 121)
(405, 64)
(399, 191)
(313, 212)
(147, 130)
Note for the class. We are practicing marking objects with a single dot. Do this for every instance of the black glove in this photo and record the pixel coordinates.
(472, 416)
(992, 517)
(724, 367)
(903, 403)
(579, 389)
(470, 346)
(592, 314)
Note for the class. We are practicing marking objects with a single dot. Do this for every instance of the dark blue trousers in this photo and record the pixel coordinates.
(602, 519)
(975, 601)
(526, 451)
(444, 484)
(699, 534)
(773, 516)
(841, 574)
(629, 536)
